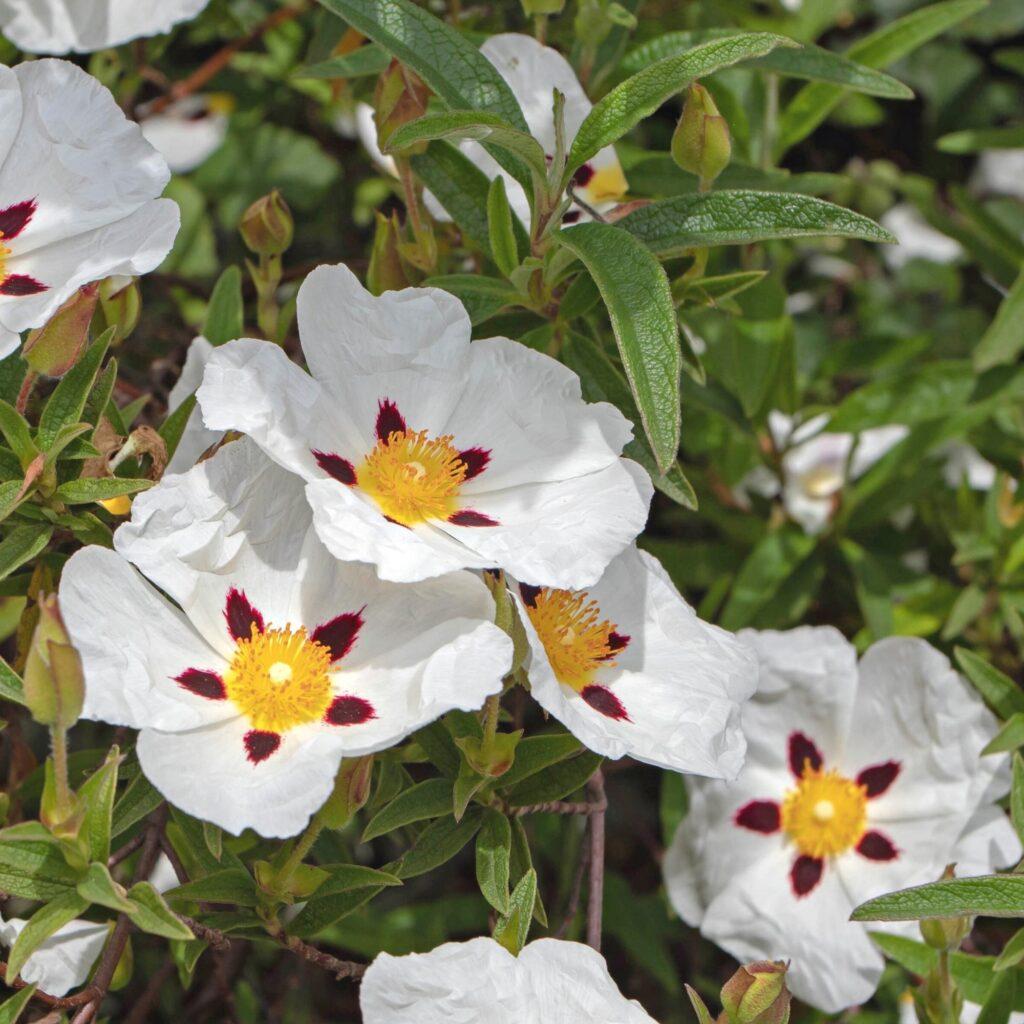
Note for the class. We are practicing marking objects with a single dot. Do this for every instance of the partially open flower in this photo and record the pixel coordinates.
(78, 193)
(629, 669)
(424, 453)
(282, 659)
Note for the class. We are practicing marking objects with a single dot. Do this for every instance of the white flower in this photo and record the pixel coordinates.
(61, 26)
(968, 1015)
(629, 669)
(917, 238)
(533, 72)
(359, 124)
(816, 466)
(195, 438)
(282, 659)
(1000, 171)
(188, 131)
(424, 453)
(551, 981)
(963, 462)
(859, 780)
(78, 193)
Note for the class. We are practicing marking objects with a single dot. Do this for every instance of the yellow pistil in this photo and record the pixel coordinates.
(278, 679)
(826, 814)
(607, 185)
(413, 479)
(577, 640)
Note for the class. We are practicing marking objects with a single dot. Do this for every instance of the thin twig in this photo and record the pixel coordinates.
(561, 807)
(339, 968)
(573, 906)
(595, 894)
(124, 852)
(216, 939)
(172, 855)
(57, 1003)
(145, 1003)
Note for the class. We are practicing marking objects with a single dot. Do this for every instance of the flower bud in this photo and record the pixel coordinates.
(946, 933)
(700, 143)
(351, 791)
(120, 306)
(55, 347)
(757, 994)
(54, 685)
(387, 271)
(400, 97)
(267, 227)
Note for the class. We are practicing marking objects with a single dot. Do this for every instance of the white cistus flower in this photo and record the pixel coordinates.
(281, 659)
(425, 453)
(195, 438)
(859, 780)
(188, 131)
(1000, 172)
(917, 238)
(552, 981)
(82, 26)
(78, 193)
(358, 123)
(629, 669)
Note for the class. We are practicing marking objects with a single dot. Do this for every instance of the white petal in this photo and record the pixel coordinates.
(186, 133)
(133, 643)
(872, 444)
(680, 680)
(10, 109)
(988, 843)
(366, 129)
(63, 961)
(195, 438)
(917, 238)
(1000, 171)
(964, 462)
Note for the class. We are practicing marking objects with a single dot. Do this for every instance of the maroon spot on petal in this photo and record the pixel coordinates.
(877, 778)
(334, 465)
(476, 460)
(876, 846)
(349, 710)
(582, 176)
(467, 517)
(616, 642)
(202, 683)
(241, 615)
(600, 698)
(760, 816)
(806, 874)
(529, 593)
(339, 634)
(260, 745)
(803, 753)
(389, 419)
(22, 284)
(572, 216)
(14, 218)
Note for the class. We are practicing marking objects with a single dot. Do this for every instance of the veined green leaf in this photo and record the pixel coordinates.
(493, 850)
(439, 842)
(347, 877)
(40, 926)
(671, 226)
(11, 686)
(318, 913)
(97, 794)
(97, 886)
(999, 1002)
(1017, 795)
(233, 885)
(641, 95)
(90, 489)
(974, 140)
(535, 753)
(512, 931)
(429, 799)
(360, 63)
(556, 781)
(151, 914)
(16, 431)
(174, 426)
(33, 868)
(226, 311)
(500, 227)
(138, 800)
(1012, 954)
(1004, 339)
(999, 691)
(67, 402)
(637, 295)
(988, 895)
(21, 545)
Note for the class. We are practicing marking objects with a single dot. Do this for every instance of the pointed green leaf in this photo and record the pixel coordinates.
(493, 850)
(233, 885)
(97, 886)
(557, 781)
(67, 403)
(137, 801)
(11, 1009)
(16, 431)
(174, 426)
(348, 877)
(33, 866)
(1012, 954)
(91, 489)
(999, 691)
(1017, 796)
(151, 914)
(482, 296)
(367, 60)
(988, 895)
(22, 544)
(501, 233)
(439, 842)
(1004, 339)
(513, 930)
(1009, 737)
(429, 799)
(319, 913)
(11, 686)
(226, 311)
(535, 753)
(97, 795)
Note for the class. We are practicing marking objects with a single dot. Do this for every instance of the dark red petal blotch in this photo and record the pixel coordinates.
(803, 751)
(260, 745)
(876, 846)
(389, 419)
(600, 698)
(529, 594)
(476, 460)
(806, 874)
(878, 777)
(339, 634)
(467, 517)
(14, 218)
(616, 642)
(583, 175)
(241, 616)
(335, 466)
(763, 816)
(21, 284)
(349, 710)
(202, 683)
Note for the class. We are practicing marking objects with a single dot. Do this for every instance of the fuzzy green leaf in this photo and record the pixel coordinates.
(86, 490)
(493, 851)
(483, 297)
(999, 691)
(500, 228)
(151, 914)
(21, 545)
(97, 886)
(439, 842)
(1004, 339)
(513, 930)
(233, 885)
(360, 63)
(556, 781)
(40, 926)
(226, 311)
(16, 431)
(67, 403)
(11, 686)
(535, 753)
(429, 799)
(988, 895)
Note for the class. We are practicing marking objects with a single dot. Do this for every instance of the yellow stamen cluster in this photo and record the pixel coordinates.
(826, 814)
(278, 679)
(577, 640)
(412, 478)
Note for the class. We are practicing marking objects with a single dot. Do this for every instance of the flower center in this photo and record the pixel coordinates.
(278, 679)
(575, 637)
(607, 185)
(822, 481)
(413, 479)
(826, 814)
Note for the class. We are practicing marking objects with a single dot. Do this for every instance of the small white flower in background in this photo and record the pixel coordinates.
(963, 462)
(78, 193)
(358, 124)
(917, 238)
(551, 981)
(859, 780)
(82, 26)
(282, 659)
(968, 1015)
(1000, 172)
(424, 453)
(629, 669)
(195, 439)
(816, 466)
(189, 131)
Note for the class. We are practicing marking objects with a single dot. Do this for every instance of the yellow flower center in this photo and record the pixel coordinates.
(413, 479)
(821, 482)
(607, 185)
(278, 679)
(575, 637)
(826, 814)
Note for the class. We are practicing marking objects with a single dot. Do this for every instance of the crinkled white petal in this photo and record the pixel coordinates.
(196, 438)
(186, 133)
(681, 681)
(81, 26)
(989, 843)
(917, 238)
(63, 961)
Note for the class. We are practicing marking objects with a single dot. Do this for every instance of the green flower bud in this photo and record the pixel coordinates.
(55, 347)
(400, 97)
(757, 994)
(700, 143)
(54, 684)
(387, 270)
(267, 227)
(120, 306)
(351, 791)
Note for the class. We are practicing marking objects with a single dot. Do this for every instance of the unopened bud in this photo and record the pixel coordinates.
(534, 7)
(351, 791)
(491, 757)
(268, 227)
(54, 684)
(387, 271)
(700, 143)
(120, 306)
(55, 347)
(400, 97)
(946, 933)
(757, 994)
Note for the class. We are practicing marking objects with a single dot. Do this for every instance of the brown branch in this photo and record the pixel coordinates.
(126, 851)
(172, 855)
(145, 1003)
(573, 906)
(216, 939)
(55, 1002)
(561, 807)
(595, 894)
(339, 968)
